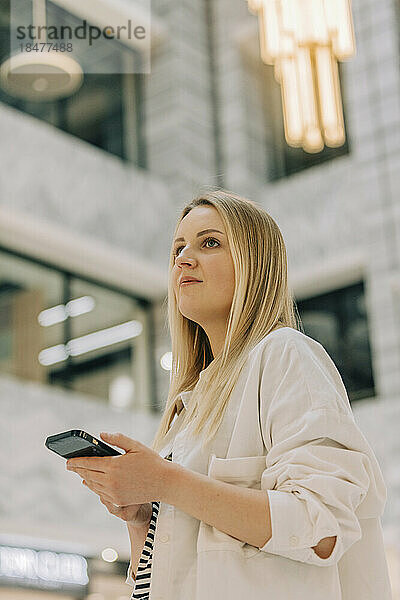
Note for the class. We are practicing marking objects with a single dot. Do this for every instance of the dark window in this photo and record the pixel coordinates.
(338, 320)
(100, 112)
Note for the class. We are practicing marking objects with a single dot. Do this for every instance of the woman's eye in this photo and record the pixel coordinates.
(211, 240)
(205, 242)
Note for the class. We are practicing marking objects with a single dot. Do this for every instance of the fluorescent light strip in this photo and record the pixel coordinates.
(74, 308)
(92, 341)
(103, 338)
(53, 315)
(53, 355)
(80, 306)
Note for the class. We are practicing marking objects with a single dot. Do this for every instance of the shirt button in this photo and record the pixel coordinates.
(294, 540)
(164, 538)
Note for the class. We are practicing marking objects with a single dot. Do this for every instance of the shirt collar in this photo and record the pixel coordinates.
(185, 396)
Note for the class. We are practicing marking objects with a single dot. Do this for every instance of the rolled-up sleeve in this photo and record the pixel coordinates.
(314, 477)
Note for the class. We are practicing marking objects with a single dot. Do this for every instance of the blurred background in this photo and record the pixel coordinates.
(92, 180)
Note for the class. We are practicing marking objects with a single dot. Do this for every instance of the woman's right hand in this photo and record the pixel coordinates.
(137, 515)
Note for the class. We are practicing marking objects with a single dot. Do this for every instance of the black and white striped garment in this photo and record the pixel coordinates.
(143, 573)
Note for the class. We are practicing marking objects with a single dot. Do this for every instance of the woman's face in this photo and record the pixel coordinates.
(207, 258)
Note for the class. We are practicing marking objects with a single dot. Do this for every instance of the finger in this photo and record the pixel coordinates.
(88, 474)
(99, 491)
(97, 486)
(115, 509)
(118, 511)
(121, 441)
(110, 505)
(112, 508)
(91, 463)
(115, 506)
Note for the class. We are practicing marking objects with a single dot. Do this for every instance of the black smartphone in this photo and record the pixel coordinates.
(73, 443)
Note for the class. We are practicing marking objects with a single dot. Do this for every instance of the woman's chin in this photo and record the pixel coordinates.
(190, 314)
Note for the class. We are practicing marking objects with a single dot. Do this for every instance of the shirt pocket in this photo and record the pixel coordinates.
(245, 471)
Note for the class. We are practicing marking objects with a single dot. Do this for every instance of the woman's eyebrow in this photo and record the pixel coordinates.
(181, 239)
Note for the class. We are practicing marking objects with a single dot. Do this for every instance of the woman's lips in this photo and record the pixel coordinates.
(189, 282)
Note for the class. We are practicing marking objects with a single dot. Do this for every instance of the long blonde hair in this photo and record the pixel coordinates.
(261, 302)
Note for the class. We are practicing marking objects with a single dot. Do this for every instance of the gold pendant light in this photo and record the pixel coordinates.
(304, 40)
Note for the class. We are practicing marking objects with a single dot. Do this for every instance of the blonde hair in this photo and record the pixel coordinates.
(261, 302)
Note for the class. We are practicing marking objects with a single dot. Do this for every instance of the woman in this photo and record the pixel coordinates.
(270, 490)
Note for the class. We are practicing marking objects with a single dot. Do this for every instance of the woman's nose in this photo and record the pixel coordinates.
(182, 258)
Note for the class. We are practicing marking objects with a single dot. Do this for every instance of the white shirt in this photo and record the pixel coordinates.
(321, 476)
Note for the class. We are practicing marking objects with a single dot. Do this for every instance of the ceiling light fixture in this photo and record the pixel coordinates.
(304, 40)
(40, 75)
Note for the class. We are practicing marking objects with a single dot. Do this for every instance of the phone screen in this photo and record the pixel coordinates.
(73, 444)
